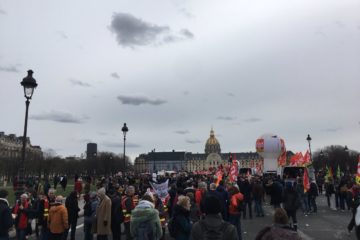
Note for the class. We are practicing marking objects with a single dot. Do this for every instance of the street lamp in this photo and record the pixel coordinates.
(347, 158)
(321, 156)
(309, 141)
(124, 129)
(29, 84)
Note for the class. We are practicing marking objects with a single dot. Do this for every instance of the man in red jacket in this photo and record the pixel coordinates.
(21, 212)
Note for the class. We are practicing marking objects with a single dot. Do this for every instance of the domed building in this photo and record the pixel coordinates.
(212, 144)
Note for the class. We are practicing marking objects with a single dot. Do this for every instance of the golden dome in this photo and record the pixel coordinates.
(212, 144)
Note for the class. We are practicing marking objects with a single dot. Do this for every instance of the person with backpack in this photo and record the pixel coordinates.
(235, 208)
(213, 226)
(5, 215)
(145, 221)
(181, 219)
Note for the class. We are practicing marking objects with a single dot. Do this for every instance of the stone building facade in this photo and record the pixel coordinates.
(211, 159)
(11, 147)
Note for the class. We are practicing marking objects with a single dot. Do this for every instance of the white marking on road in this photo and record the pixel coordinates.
(77, 227)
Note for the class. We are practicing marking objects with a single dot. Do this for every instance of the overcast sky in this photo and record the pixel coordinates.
(171, 69)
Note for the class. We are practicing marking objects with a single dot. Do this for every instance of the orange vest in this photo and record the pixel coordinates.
(127, 212)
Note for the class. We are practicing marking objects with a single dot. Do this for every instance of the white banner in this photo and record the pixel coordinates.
(161, 189)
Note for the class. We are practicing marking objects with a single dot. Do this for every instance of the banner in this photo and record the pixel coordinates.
(161, 189)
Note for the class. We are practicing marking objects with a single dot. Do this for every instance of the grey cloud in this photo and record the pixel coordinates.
(193, 141)
(56, 116)
(11, 68)
(136, 101)
(120, 145)
(226, 118)
(186, 33)
(332, 130)
(186, 93)
(79, 83)
(2, 12)
(115, 75)
(62, 34)
(186, 13)
(230, 94)
(182, 132)
(252, 120)
(131, 31)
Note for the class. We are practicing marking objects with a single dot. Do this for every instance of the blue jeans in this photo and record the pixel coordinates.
(304, 204)
(44, 233)
(5, 238)
(234, 219)
(313, 205)
(258, 207)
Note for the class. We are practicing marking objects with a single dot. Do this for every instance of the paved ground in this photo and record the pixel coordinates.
(324, 225)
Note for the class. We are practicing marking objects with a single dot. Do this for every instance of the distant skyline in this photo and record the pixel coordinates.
(173, 69)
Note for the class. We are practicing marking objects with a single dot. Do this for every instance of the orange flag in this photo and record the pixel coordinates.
(306, 180)
(297, 159)
(358, 172)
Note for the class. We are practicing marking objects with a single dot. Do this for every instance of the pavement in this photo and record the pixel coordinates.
(324, 225)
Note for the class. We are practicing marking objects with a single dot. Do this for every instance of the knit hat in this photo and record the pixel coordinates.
(212, 205)
(3, 193)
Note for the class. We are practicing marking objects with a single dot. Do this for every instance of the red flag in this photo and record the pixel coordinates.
(306, 159)
(219, 175)
(306, 180)
(297, 159)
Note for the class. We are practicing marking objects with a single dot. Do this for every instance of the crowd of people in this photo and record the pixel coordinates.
(196, 207)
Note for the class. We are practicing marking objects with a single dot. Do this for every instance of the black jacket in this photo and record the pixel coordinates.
(72, 207)
(6, 220)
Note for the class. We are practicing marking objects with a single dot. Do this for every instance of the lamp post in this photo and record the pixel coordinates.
(321, 156)
(29, 84)
(311, 168)
(347, 158)
(124, 129)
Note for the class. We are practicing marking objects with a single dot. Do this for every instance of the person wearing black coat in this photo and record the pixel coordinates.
(5, 215)
(73, 209)
(182, 218)
(313, 193)
(291, 203)
(117, 216)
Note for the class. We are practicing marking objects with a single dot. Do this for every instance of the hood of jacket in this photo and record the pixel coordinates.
(142, 214)
(145, 204)
(213, 221)
(5, 201)
(179, 210)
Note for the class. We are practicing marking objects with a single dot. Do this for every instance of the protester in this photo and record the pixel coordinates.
(22, 217)
(182, 218)
(90, 207)
(73, 209)
(103, 215)
(213, 226)
(313, 193)
(128, 203)
(280, 230)
(5, 215)
(145, 221)
(235, 208)
(258, 196)
(162, 213)
(117, 216)
(58, 219)
(291, 202)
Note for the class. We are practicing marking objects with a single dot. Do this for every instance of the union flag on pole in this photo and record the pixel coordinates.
(306, 180)
(296, 160)
(306, 160)
(234, 171)
(358, 172)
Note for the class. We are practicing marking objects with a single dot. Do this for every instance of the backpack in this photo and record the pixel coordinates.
(213, 233)
(172, 227)
(145, 231)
